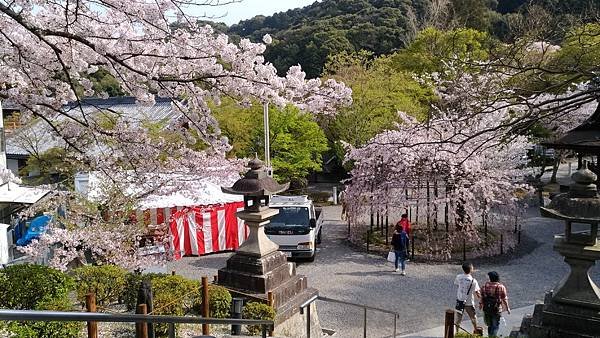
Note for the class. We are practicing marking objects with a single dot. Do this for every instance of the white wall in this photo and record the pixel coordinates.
(4, 248)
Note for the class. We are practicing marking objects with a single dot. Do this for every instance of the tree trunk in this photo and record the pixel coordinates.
(555, 166)
(462, 217)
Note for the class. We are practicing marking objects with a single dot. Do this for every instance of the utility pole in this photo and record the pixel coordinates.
(2, 140)
(267, 140)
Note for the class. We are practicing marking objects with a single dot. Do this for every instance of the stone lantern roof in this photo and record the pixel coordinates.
(256, 182)
(581, 203)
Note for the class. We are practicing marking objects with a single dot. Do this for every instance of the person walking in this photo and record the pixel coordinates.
(494, 300)
(342, 200)
(400, 246)
(467, 289)
(404, 223)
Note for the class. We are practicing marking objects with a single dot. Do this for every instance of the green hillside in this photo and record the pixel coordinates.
(308, 35)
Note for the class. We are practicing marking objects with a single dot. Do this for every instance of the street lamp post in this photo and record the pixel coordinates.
(3, 164)
(268, 166)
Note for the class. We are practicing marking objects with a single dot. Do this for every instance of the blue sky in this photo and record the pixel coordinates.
(246, 9)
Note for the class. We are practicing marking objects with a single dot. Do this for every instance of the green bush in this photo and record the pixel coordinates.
(56, 329)
(23, 286)
(256, 310)
(174, 295)
(219, 301)
(37, 287)
(108, 282)
(134, 280)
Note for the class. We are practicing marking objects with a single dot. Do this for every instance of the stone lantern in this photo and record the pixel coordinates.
(257, 187)
(572, 309)
(257, 268)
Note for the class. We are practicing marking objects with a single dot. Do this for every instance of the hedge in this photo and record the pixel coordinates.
(134, 280)
(256, 310)
(107, 282)
(37, 287)
(219, 301)
(23, 286)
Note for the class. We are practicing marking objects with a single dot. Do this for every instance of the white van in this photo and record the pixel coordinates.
(297, 227)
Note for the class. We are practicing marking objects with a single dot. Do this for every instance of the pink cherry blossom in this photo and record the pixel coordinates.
(152, 49)
(464, 151)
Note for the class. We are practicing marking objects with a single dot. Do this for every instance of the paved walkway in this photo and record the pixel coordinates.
(422, 296)
(512, 320)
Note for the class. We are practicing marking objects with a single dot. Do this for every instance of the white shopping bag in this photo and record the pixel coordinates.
(391, 257)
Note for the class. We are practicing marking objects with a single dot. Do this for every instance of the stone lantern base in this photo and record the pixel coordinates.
(257, 276)
(572, 310)
(554, 320)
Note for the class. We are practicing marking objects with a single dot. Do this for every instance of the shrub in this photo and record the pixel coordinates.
(174, 295)
(256, 310)
(133, 285)
(56, 329)
(108, 282)
(219, 301)
(23, 286)
(29, 287)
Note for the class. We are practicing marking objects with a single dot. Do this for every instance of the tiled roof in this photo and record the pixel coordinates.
(38, 136)
(583, 139)
(9, 105)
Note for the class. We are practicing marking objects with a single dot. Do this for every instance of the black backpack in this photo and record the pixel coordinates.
(491, 303)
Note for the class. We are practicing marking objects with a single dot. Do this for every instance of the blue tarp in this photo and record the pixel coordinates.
(37, 227)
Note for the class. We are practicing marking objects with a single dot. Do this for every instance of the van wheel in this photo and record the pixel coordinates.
(319, 236)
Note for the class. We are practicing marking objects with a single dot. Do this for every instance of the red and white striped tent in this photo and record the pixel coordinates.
(205, 229)
(200, 225)
(200, 219)
(201, 229)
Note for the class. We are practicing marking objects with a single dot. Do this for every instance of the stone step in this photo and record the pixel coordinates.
(292, 306)
(288, 290)
(254, 283)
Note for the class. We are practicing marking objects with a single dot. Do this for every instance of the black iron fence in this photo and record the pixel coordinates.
(91, 317)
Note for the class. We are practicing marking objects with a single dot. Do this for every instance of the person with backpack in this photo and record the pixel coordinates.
(494, 300)
(467, 289)
(400, 246)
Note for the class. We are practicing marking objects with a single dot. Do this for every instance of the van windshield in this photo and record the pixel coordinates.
(291, 216)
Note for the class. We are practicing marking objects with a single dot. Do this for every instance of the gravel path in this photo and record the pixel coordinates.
(422, 296)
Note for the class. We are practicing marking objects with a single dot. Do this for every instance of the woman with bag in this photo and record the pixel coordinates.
(400, 247)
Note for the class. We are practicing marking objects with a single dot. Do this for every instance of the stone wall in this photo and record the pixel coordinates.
(295, 326)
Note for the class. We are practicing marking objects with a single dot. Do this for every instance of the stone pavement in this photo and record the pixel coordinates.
(422, 296)
(512, 320)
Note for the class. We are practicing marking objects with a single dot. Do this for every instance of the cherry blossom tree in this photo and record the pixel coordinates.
(49, 49)
(454, 151)
(151, 48)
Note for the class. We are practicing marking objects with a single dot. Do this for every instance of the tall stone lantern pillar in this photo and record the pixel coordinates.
(572, 309)
(257, 268)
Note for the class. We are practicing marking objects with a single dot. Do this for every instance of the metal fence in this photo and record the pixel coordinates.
(57, 316)
(305, 307)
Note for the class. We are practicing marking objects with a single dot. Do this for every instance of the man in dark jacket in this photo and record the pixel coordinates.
(400, 247)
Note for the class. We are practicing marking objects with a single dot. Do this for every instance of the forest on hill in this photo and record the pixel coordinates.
(396, 56)
(382, 49)
(306, 36)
